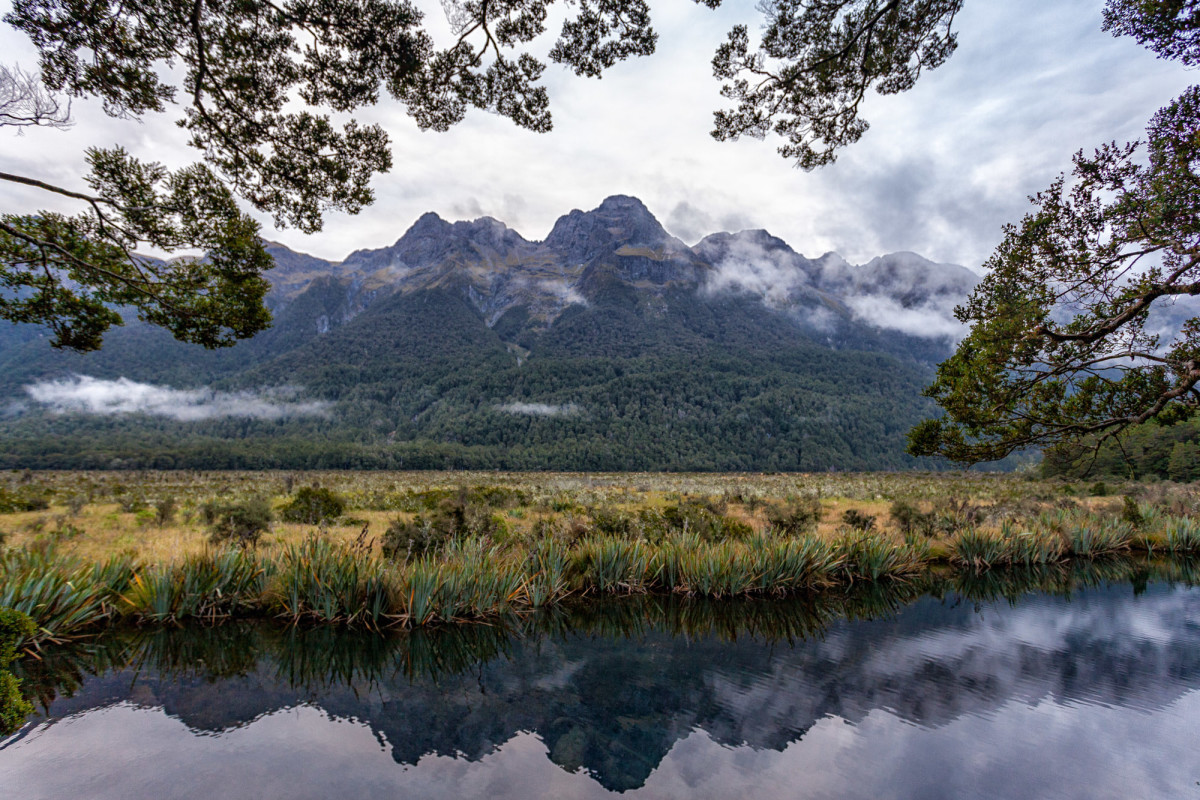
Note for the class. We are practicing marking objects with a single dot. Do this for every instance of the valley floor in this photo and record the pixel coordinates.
(381, 549)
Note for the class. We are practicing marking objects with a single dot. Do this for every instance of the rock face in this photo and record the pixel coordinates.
(590, 255)
(609, 345)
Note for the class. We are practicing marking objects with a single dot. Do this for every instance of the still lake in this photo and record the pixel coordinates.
(1091, 692)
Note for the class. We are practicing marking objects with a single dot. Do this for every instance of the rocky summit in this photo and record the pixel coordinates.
(610, 344)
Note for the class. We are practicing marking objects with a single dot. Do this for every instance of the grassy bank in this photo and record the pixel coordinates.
(384, 550)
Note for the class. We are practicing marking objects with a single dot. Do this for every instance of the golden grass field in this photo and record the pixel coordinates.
(95, 515)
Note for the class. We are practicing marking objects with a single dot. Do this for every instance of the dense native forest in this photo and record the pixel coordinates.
(611, 391)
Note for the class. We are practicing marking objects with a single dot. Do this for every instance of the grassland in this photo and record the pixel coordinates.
(410, 549)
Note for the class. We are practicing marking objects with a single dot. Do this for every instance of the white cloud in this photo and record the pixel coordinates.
(564, 291)
(772, 275)
(539, 409)
(942, 168)
(83, 394)
(928, 321)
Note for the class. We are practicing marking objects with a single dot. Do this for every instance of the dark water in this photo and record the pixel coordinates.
(1091, 695)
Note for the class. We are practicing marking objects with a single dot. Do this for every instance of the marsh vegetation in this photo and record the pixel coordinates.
(383, 550)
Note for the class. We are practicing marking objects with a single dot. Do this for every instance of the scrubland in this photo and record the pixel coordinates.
(380, 549)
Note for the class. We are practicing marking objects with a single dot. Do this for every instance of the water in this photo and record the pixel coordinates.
(1090, 695)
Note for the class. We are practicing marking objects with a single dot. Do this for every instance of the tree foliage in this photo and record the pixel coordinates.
(1061, 344)
(259, 83)
(815, 63)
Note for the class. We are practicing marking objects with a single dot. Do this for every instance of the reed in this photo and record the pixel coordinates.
(872, 557)
(547, 568)
(61, 595)
(1010, 547)
(1030, 548)
(610, 565)
(330, 582)
(1099, 537)
(1183, 536)
(792, 565)
(208, 586)
(477, 581)
(715, 570)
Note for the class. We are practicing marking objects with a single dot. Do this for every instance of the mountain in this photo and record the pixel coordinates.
(610, 344)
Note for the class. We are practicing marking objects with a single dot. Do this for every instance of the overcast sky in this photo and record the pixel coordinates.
(943, 167)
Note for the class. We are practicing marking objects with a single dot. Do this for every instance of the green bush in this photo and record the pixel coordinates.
(13, 707)
(132, 503)
(1130, 512)
(911, 520)
(239, 523)
(26, 498)
(456, 519)
(15, 628)
(164, 510)
(795, 518)
(857, 520)
(417, 538)
(312, 504)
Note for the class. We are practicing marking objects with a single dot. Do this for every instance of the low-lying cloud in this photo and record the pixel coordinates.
(771, 274)
(927, 321)
(564, 292)
(83, 394)
(787, 281)
(539, 409)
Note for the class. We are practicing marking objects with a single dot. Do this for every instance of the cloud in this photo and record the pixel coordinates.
(565, 292)
(692, 224)
(931, 320)
(942, 168)
(539, 409)
(83, 394)
(748, 267)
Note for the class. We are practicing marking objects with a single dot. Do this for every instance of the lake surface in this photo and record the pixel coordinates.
(1091, 695)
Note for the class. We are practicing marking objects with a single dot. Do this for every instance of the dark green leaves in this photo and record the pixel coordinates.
(815, 62)
(1170, 28)
(1059, 347)
(72, 273)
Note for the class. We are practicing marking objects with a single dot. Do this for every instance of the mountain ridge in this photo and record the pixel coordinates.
(461, 344)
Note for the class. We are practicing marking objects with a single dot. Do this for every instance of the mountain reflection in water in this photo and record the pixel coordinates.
(879, 695)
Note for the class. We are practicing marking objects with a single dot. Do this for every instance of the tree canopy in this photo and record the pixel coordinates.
(1062, 345)
(237, 70)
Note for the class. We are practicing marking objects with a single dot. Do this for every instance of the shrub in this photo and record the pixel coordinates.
(953, 516)
(15, 628)
(26, 498)
(609, 521)
(76, 503)
(456, 519)
(1131, 512)
(705, 520)
(858, 521)
(795, 518)
(312, 504)
(132, 503)
(417, 538)
(912, 520)
(164, 510)
(1099, 489)
(241, 523)
(13, 707)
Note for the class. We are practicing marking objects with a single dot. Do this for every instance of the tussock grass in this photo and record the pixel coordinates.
(511, 544)
(209, 586)
(63, 596)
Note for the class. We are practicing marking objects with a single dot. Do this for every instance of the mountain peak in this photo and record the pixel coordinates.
(617, 222)
(623, 203)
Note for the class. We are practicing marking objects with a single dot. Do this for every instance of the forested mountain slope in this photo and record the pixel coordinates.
(609, 345)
